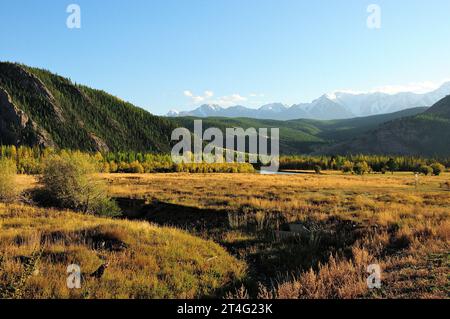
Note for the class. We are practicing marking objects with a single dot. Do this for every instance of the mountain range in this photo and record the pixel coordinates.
(39, 108)
(339, 105)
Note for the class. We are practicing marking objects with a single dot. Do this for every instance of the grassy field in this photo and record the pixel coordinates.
(239, 245)
(145, 261)
(352, 221)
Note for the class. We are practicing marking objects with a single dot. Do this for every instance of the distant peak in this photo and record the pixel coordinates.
(445, 85)
(211, 106)
(173, 112)
(274, 107)
(324, 98)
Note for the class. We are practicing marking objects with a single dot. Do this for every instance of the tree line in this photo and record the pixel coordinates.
(31, 160)
(362, 164)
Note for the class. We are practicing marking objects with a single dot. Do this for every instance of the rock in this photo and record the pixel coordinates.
(17, 128)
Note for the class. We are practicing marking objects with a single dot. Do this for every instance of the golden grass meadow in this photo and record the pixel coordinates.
(227, 236)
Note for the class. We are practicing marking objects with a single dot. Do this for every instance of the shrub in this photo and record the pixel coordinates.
(123, 167)
(136, 167)
(317, 169)
(425, 170)
(438, 168)
(361, 168)
(8, 187)
(69, 182)
(113, 167)
(392, 165)
(106, 168)
(347, 167)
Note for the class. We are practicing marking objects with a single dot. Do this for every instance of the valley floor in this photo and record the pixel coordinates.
(281, 236)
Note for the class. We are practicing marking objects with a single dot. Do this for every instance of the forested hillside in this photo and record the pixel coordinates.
(40, 108)
(304, 136)
(426, 134)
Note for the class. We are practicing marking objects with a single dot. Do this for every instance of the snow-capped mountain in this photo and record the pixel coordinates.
(173, 113)
(380, 103)
(325, 108)
(274, 108)
(339, 105)
(205, 110)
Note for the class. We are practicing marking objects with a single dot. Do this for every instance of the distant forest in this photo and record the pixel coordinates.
(29, 160)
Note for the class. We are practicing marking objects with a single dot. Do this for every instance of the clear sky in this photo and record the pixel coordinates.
(177, 54)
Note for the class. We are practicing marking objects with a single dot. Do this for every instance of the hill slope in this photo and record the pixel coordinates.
(40, 108)
(145, 261)
(426, 134)
(303, 136)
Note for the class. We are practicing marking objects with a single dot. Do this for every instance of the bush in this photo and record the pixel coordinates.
(136, 167)
(69, 182)
(8, 187)
(317, 169)
(425, 170)
(105, 168)
(113, 167)
(347, 167)
(361, 168)
(438, 168)
(392, 165)
(123, 167)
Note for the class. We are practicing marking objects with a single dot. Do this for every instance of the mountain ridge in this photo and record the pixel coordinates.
(425, 134)
(44, 109)
(340, 105)
(304, 135)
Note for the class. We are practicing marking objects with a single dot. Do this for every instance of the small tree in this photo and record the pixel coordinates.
(347, 167)
(8, 174)
(70, 182)
(361, 168)
(438, 168)
(392, 165)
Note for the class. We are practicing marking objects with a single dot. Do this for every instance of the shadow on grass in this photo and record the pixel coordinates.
(253, 240)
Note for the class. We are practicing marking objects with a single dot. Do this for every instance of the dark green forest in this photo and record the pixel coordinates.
(77, 117)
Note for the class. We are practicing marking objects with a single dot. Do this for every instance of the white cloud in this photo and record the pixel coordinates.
(188, 93)
(209, 94)
(230, 100)
(196, 99)
(415, 87)
(419, 87)
(208, 98)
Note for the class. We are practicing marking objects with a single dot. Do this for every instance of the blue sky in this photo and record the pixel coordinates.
(176, 54)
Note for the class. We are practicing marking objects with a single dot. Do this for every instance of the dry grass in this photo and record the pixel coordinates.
(353, 221)
(399, 226)
(145, 261)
